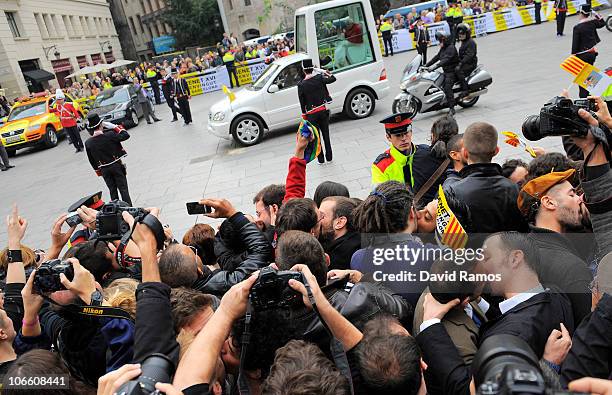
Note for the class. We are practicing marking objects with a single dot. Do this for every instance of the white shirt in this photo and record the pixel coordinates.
(517, 299)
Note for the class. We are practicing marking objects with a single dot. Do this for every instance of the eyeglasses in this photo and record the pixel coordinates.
(258, 213)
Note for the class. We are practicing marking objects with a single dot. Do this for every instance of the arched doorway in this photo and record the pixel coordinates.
(250, 33)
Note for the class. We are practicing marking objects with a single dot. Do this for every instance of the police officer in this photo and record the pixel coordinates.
(313, 96)
(152, 78)
(421, 38)
(180, 91)
(467, 56)
(167, 90)
(560, 13)
(386, 30)
(395, 164)
(228, 61)
(104, 151)
(537, 11)
(449, 59)
(585, 37)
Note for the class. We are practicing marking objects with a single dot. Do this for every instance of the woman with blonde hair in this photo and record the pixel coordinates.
(121, 293)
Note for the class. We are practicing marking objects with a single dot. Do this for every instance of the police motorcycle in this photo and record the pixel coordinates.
(422, 89)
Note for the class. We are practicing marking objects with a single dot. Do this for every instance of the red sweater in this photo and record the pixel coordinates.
(295, 185)
(67, 114)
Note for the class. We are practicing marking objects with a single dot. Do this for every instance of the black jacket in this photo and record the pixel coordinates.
(258, 248)
(312, 92)
(424, 163)
(421, 37)
(467, 54)
(179, 88)
(342, 249)
(561, 265)
(104, 149)
(532, 321)
(585, 35)
(448, 57)
(491, 198)
(591, 352)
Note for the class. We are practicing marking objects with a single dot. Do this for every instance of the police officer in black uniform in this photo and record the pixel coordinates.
(585, 37)
(421, 38)
(180, 91)
(104, 151)
(313, 96)
(449, 58)
(467, 56)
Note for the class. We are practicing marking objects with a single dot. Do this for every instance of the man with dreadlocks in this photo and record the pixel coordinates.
(393, 255)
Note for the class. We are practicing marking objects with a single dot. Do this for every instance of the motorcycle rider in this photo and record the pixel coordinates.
(467, 56)
(449, 58)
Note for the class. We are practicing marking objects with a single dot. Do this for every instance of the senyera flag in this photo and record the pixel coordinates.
(449, 231)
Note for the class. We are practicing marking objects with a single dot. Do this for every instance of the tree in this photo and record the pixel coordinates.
(195, 22)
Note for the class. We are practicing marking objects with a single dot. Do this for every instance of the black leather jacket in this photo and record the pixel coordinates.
(258, 249)
(448, 57)
(491, 198)
(467, 54)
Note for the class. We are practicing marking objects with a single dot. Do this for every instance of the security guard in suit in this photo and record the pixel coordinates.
(421, 39)
(395, 164)
(585, 37)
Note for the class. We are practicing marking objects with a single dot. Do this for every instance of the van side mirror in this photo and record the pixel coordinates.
(273, 88)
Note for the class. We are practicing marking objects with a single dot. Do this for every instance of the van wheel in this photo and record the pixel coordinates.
(50, 139)
(359, 104)
(247, 130)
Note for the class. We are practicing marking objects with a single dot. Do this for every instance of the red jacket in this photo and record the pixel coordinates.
(295, 185)
(67, 114)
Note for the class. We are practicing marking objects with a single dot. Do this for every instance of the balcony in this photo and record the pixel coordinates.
(153, 16)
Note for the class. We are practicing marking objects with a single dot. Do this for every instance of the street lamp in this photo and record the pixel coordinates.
(107, 43)
(48, 50)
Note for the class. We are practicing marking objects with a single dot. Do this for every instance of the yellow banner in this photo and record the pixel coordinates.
(526, 16)
(500, 21)
(195, 86)
(244, 75)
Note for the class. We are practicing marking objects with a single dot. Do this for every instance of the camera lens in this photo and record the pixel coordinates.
(531, 128)
(156, 368)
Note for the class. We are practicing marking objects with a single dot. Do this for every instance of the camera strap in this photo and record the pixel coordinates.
(92, 311)
(152, 223)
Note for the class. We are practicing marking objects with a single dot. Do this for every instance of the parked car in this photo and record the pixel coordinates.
(119, 105)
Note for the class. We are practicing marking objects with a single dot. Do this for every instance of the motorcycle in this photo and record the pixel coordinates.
(609, 23)
(422, 89)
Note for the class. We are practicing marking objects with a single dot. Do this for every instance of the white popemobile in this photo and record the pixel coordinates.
(321, 31)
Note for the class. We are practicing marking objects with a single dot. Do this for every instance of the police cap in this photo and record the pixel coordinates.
(397, 123)
(92, 201)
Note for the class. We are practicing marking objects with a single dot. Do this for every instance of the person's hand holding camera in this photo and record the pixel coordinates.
(32, 303)
(83, 283)
(317, 294)
(223, 208)
(591, 385)
(112, 381)
(234, 302)
(88, 215)
(58, 238)
(433, 309)
(16, 227)
(142, 235)
(557, 346)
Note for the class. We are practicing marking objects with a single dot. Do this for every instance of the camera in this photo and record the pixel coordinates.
(156, 368)
(558, 117)
(73, 219)
(109, 221)
(506, 365)
(47, 277)
(272, 290)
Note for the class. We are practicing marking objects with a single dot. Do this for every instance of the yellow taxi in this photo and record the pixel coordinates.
(31, 123)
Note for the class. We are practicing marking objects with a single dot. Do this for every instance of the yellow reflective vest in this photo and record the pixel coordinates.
(385, 27)
(389, 166)
(151, 73)
(228, 57)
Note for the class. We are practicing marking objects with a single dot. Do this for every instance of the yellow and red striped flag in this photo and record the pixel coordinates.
(449, 231)
(573, 65)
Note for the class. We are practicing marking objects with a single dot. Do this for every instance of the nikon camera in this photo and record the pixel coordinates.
(109, 221)
(506, 365)
(559, 117)
(272, 290)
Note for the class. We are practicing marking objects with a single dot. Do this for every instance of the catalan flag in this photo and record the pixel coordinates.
(515, 140)
(573, 65)
(449, 231)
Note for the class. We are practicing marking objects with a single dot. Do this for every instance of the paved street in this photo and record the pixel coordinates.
(169, 165)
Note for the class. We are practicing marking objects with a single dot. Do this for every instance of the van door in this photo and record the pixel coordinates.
(283, 106)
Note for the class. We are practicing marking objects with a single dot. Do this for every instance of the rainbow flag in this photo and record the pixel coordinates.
(449, 231)
(313, 149)
(573, 65)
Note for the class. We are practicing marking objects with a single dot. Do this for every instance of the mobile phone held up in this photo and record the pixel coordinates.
(194, 208)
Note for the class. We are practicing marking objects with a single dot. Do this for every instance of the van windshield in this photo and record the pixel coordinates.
(264, 77)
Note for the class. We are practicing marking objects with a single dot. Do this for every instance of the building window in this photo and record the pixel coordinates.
(68, 25)
(241, 19)
(41, 26)
(58, 27)
(49, 25)
(247, 2)
(231, 5)
(12, 21)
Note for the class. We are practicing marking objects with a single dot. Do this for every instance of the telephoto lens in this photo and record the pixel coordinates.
(156, 368)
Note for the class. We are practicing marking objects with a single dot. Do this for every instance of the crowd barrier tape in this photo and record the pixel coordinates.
(489, 22)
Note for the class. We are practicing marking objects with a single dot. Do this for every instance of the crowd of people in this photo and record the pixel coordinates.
(295, 299)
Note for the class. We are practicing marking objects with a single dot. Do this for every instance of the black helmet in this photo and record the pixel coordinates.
(441, 36)
(463, 31)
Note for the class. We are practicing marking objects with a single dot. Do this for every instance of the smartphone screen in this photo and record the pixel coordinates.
(194, 208)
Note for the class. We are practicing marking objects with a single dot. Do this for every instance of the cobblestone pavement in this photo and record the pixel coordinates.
(169, 165)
